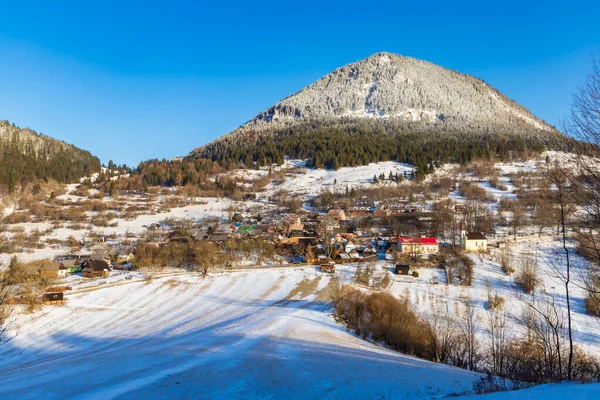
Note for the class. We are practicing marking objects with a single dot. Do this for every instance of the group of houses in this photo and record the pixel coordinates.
(306, 238)
(90, 266)
(364, 206)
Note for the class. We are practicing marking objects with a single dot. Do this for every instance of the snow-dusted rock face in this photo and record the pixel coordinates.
(390, 86)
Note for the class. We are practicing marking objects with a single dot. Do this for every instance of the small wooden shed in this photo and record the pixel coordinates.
(329, 268)
(402, 269)
(53, 298)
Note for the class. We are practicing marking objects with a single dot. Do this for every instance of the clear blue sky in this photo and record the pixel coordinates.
(133, 80)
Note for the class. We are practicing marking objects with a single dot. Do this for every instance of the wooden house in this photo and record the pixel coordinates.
(354, 254)
(296, 227)
(219, 237)
(121, 255)
(95, 269)
(337, 214)
(349, 246)
(52, 270)
(126, 258)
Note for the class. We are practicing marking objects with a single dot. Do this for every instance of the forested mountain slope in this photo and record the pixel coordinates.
(27, 154)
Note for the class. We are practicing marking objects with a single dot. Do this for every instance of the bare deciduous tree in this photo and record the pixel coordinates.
(581, 185)
(583, 123)
(562, 269)
(498, 336)
(545, 324)
(467, 352)
(442, 338)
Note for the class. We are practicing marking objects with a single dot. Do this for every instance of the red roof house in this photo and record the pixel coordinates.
(421, 245)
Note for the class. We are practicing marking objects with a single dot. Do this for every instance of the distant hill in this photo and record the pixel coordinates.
(27, 154)
(385, 107)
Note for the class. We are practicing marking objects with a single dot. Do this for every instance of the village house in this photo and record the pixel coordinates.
(121, 255)
(421, 245)
(219, 237)
(349, 246)
(370, 252)
(52, 270)
(100, 255)
(337, 214)
(95, 269)
(71, 265)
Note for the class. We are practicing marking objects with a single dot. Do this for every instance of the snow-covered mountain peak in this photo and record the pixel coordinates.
(387, 85)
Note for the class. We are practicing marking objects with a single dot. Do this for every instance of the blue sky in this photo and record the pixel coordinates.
(135, 80)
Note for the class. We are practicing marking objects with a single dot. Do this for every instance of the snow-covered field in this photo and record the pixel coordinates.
(256, 334)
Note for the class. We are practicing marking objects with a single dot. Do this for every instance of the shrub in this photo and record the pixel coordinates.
(385, 319)
(383, 283)
(363, 275)
(474, 192)
(592, 305)
(495, 302)
(526, 361)
(528, 276)
(495, 183)
(505, 263)
(491, 384)
(415, 274)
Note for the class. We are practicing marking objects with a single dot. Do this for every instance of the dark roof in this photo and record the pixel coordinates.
(49, 267)
(96, 265)
(218, 237)
(341, 229)
(71, 263)
(475, 236)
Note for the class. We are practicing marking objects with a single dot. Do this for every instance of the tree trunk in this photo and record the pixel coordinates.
(567, 281)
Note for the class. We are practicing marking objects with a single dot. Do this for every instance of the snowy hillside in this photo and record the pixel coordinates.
(309, 182)
(233, 335)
